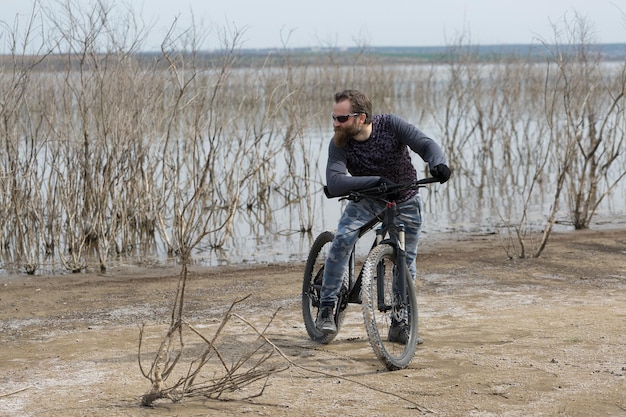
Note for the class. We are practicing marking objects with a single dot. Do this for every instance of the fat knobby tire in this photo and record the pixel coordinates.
(393, 355)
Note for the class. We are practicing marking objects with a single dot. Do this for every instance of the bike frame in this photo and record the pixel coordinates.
(395, 238)
(386, 218)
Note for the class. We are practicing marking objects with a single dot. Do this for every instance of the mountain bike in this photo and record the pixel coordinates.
(383, 286)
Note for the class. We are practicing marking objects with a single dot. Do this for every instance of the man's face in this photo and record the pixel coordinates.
(351, 127)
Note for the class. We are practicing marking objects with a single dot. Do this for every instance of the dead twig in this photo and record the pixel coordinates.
(8, 394)
(246, 369)
(292, 363)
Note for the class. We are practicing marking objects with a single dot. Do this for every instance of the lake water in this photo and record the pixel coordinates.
(495, 145)
(456, 207)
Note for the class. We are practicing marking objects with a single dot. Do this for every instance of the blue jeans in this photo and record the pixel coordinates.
(354, 216)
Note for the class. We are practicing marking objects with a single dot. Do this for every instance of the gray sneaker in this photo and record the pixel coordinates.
(325, 322)
(399, 333)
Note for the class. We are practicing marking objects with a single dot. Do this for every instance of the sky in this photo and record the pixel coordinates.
(323, 23)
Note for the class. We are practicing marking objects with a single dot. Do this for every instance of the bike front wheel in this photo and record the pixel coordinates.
(380, 308)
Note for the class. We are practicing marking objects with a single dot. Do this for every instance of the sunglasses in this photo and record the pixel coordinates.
(344, 117)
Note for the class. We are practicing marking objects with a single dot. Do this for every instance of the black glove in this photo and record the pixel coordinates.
(441, 172)
(383, 184)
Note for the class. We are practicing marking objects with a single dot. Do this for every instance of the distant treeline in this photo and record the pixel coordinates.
(347, 56)
(399, 54)
(609, 52)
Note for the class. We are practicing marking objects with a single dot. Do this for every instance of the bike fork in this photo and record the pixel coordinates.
(380, 272)
(399, 281)
(400, 276)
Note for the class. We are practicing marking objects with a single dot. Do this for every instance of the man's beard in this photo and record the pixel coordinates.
(343, 134)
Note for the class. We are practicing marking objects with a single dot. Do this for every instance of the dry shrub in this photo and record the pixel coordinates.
(227, 364)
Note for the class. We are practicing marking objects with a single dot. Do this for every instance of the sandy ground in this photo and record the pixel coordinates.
(503, 337)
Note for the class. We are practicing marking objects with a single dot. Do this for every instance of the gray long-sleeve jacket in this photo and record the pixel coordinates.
(360, 165)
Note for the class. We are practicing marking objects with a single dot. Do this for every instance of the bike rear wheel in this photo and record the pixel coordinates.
(312, 285)
(378, 272)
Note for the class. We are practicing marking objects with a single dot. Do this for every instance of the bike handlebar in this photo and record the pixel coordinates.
(383, 189)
